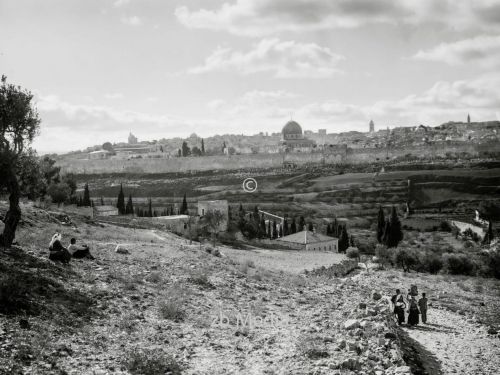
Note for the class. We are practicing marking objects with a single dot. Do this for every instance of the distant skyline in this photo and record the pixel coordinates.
(163, 69)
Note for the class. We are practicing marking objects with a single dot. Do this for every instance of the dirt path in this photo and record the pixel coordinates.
(460, 346)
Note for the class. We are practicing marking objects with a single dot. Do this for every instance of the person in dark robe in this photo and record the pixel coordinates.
(58, 253)
(413, 311)
(399, 306)
(79, 251)
(422, 304)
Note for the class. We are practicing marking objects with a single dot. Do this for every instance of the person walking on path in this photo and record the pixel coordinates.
(399, 306)
(422, 304)
(413, 311)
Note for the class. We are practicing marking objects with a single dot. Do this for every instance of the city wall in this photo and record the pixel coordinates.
(258, 161)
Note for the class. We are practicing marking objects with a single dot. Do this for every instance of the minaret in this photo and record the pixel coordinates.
(372, 126)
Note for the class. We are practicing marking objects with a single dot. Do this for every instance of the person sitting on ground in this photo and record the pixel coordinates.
(58, 253)
(79, 251)
(422, 304)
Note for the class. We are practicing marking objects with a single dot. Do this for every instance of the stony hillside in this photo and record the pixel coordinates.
(173, 307)
(159, 309)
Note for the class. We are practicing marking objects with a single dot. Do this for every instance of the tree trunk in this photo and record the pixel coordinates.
(13, 215)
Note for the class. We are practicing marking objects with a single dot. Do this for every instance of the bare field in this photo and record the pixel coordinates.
(291, 261)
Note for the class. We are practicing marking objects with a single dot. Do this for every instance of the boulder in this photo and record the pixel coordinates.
(362, 305)
(492, 331)
(390, 336)
(402, 370)
(376, 296)
(120, 249)
(351, 324)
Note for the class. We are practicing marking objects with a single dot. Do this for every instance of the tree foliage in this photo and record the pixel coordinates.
(19, 124)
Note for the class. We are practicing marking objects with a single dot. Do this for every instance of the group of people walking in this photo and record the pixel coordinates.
(410, 304)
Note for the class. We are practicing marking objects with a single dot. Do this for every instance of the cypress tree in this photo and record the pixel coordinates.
(150, 208)
(184, 207)
(269, 233)
(275, 229)
(302, 224)
(293, 227)
(262, 226)
(129, 209)
(102, 201)
(335, 228)
(120, 204)
(395, 234)
(86, 196)
(202, 146)
(285, 227)
(380, 225)
(310, 227)
(343, 240)
(489, 234)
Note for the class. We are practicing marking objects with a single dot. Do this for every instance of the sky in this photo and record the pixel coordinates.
(169, 68)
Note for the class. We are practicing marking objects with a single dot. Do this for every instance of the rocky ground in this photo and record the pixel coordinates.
(462, 331)
(167, 306)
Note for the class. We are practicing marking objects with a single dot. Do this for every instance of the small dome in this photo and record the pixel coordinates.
(292, 127)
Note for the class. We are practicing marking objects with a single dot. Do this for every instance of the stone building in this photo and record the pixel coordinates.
(293, 139)
(307, 240)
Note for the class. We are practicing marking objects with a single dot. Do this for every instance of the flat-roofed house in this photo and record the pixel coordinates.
(307, 240)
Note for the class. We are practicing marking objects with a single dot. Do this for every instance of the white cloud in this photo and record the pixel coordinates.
(444, 101)
(267, 17)
(131, 21)
(483, 50)
(119, 3)
(114, 95)
(283, 59)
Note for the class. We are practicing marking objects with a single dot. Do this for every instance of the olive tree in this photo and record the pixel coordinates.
(19, 124)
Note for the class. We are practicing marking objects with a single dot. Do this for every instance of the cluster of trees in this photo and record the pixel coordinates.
(389, 232)
(253, 224)
(185, 150)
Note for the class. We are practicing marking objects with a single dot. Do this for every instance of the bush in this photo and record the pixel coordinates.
(431, 263)
(384, 255)
(170, 309)
(445, 226)
(151, 362)
(459, 264)
(352, 253)
(407, 259)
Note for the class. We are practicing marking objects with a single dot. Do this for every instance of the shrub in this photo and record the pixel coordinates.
(445, 226)
(384, 255)
(151, 362)
(352, 253)
(154, 277)
(458, 264)
(170, 309)
(406, 259)
(432, 263)
(201, 278)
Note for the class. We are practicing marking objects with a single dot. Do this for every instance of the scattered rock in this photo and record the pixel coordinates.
(492, 331)
(390, 336)
(376, 296)
(120, 249)
(351, 324)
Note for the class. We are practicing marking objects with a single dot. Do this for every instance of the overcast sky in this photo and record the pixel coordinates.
(102, 68)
